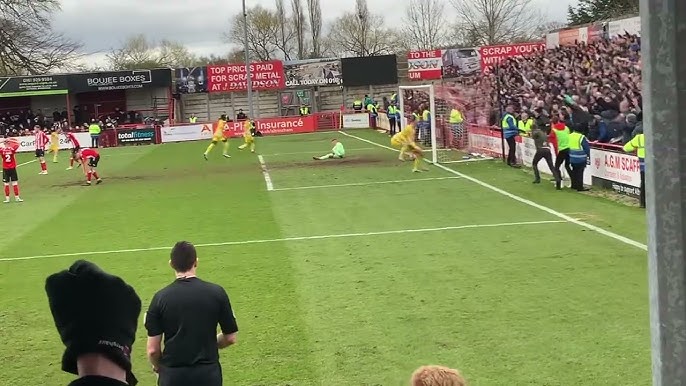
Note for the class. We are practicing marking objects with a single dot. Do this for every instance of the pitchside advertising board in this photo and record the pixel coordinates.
(267, 126)
(356, 121)
(33, 86)
(28, 143)
(607, 169)
(135, 136)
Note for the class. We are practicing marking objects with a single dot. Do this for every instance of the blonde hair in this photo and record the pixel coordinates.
(437, 376)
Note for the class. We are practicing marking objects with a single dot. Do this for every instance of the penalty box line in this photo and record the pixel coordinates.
(524, 201)
(369, 183)
(297, 238)
(265, 173)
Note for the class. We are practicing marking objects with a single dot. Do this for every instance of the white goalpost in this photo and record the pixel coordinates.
(408, 105)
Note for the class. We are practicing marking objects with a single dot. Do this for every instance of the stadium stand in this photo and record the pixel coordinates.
(596, 85)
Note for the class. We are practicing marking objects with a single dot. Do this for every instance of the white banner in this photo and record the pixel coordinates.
(186, 133)
(356, 121)
(631, 25)
(616, 167)
(27, 143)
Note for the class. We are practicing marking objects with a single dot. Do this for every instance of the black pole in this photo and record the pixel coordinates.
(500, 110)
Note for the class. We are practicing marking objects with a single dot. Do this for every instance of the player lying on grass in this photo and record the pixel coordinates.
(248, 135)
(8, 151)
(404, 140)
(338, 151)
(75, 147)
(219, 135)
(89, 159)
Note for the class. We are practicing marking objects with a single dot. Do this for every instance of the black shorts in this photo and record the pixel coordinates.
(9, 175)
(40, 153)
(200, 375)
(75, 150)
(93, 162)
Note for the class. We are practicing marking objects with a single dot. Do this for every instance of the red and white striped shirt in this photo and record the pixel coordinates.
(72, 138)
(42, 140)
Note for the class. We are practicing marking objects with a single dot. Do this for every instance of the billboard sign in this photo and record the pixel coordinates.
(120, 80)
(425, 65)
(33, 85)
(310, 73)
(493, 55)
(232, 77)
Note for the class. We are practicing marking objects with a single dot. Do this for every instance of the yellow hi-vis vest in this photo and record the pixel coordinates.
(526, 126)
(193, 119)
(94, 129)
(455, 117)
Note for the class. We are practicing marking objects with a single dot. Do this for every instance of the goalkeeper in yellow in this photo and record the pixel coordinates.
(219, 135)
(248, 135)
(338, 151)
(405, 141)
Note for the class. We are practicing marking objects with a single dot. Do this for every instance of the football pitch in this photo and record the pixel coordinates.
(342, 272)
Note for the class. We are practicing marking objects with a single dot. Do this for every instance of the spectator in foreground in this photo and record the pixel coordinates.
(437, 376)
(96, 315)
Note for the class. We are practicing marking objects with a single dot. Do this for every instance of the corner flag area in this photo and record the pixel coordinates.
(350, 271)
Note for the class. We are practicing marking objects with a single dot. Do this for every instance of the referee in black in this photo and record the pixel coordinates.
(186, 314)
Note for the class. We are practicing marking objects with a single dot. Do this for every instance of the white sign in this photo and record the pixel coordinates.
(631, 25)
(616, 167)
(356, 121)
(28, 143)
(186, 133)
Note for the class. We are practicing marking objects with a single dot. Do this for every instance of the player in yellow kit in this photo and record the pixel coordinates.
(54, 144)
(219, 135)
(248, 135)
(404, 140)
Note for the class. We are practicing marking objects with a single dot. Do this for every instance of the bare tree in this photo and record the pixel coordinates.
(285, 32)
(28, 45)
(263, 33)
(425, 25)
(497, 21)
(137, 52)
(360, 33)
(314, 10)
(300, 26)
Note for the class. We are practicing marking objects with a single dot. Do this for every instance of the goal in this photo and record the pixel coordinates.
(448, 141)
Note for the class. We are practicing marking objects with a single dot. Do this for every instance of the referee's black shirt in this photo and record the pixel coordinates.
(187, 312)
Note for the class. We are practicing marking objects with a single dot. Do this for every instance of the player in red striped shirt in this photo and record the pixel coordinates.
(75, 147)
(8, 150)
(41, 140)
(91, 158)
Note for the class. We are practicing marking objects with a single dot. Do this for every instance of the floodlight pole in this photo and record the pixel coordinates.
(247, 61)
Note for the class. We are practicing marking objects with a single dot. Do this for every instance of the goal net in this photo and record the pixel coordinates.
(459, 110)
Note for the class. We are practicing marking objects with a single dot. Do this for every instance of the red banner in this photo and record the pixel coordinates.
(425, 65)
(276, 126)
(232, 77)
(492, 55)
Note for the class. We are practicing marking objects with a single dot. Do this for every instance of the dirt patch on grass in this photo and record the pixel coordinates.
(351, 161)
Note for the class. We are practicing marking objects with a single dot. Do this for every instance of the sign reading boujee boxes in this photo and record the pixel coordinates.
(232, 77)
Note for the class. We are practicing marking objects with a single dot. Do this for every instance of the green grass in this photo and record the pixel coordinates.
(550, 303)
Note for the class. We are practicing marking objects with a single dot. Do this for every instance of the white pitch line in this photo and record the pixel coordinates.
(298, 238)
(364, 183)
(315, 152)
(553, 212)
(265, 173)
(27, 162)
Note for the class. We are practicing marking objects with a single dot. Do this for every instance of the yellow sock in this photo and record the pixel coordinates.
(416, 162)
(209, 148)
(226, 147)
(54, 157)
(252, 147)
(243, 146)
(402, 152)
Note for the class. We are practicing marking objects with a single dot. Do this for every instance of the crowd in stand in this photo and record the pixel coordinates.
(595, 87)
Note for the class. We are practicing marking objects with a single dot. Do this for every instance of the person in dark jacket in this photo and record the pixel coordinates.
(96, 315)
(543, 151)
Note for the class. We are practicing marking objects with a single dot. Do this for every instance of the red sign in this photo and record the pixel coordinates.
(492, 55)
(278, 125)
(232, 77)
(425, 65)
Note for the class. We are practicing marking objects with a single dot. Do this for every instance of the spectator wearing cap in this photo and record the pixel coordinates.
(510, 133)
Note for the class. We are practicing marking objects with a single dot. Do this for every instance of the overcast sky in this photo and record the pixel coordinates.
(198, 24)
